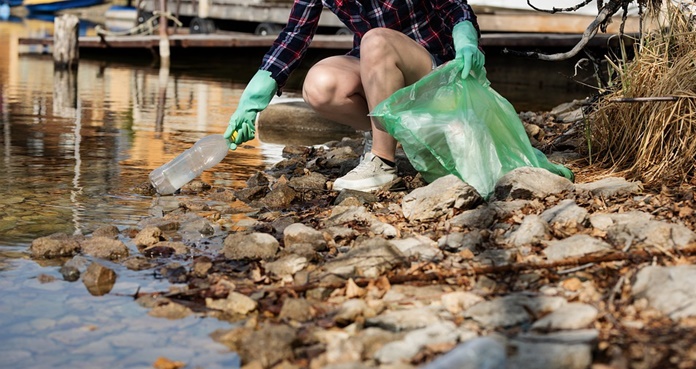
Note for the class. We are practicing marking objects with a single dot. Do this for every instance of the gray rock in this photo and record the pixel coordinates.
(603, 221)
(419, 247)
(268, 345)
(98, 279)
(311, 181)
(496, 257)
(438, 198)
(405, 319)
(504, 209)
(512, 309)
(610, 187)
(55, 245)
(280, 197)
(532, 230)
(575, 246)
(529, 183)
(404, 350)
(571, 316)
(459, 301)
(531, 355)
(651, 233)
(300, 233)
(351, 310)
(299, 310)
(455, 242)
(196, 228)
(477, 353)
(584, 336)
(370, 259)
(148, 236)
(566, 212)
(235, 303)
(668, 289)
(253, 246)
(104, 248)
(109, 231)
(342, 215)
(286, 266)
(480, 218)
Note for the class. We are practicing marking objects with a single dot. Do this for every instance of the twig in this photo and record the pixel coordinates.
(557, 10)
(607, 11)
(643, 99)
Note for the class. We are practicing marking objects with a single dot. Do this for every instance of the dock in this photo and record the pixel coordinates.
(336, 42)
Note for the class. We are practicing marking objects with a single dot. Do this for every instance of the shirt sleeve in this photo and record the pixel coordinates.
(455, 11)
(290, 46)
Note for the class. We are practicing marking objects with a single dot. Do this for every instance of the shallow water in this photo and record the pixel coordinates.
(72, 152)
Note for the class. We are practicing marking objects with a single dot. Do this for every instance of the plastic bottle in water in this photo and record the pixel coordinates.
(204, 154)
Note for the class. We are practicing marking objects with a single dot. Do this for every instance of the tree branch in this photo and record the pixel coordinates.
(558, 10)
(602, 18)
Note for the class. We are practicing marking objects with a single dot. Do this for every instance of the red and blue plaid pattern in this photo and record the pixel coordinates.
(428, 22)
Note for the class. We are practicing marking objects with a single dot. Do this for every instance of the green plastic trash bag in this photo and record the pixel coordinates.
(449, 125)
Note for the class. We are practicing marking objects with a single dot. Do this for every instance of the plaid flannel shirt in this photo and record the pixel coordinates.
(428, 22)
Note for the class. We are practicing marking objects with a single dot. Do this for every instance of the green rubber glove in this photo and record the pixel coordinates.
(466, 48)
(254, 99)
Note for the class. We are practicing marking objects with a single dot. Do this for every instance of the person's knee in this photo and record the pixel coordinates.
(319, 87)
(377, 46)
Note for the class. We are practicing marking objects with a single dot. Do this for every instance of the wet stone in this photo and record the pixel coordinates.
(280, 197)
(70, 273)
(138, 263)
(148, 236)
(106, 231)
(99, 279)
(55, 245)
(311, 181)
(104, 248)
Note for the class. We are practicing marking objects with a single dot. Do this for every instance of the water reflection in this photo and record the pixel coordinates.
(74, 145)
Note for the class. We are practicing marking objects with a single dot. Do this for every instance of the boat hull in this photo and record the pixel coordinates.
(55, 6)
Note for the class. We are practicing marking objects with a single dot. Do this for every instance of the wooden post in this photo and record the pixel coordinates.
(66, 52)
(65, 93)
(164, 36)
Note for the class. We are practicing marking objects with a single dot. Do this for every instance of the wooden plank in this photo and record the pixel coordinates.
(320, 41)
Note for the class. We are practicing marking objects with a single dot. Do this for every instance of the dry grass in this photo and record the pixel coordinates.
(650, 141)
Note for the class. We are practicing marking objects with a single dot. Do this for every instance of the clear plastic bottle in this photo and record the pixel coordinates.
(204, 154)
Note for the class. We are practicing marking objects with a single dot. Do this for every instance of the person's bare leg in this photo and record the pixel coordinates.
(389, 60)
(334, 90)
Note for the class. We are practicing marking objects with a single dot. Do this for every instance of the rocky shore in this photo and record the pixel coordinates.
(545, 274)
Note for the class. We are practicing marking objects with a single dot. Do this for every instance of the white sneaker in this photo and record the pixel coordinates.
(370, 175)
